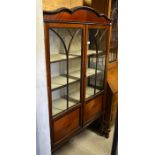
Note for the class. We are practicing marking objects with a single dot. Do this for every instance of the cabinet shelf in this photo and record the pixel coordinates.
(72, 55)
(90, 91)
(89, 52)
(91, 72)
(60, 57)
(61, 81)
(60, 105)
(55, 111)
(93, 52)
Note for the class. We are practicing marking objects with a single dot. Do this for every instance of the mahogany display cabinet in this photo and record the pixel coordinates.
(77, 44)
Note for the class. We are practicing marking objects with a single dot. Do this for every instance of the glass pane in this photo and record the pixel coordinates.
(75, 73)
(58, 38)
(114, 33)
(100, 75)
(96, 61)
(59, 102)
(58, 75)
(75, 66)
(65, 57)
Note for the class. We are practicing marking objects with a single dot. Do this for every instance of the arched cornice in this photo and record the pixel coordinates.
(86, 14)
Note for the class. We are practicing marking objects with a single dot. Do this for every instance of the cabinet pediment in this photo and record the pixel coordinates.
(85, 15)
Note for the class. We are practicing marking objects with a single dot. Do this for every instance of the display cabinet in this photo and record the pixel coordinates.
(77, 45)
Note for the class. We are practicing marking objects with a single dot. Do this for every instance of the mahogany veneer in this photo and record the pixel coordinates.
(66, 124)
(93, 108)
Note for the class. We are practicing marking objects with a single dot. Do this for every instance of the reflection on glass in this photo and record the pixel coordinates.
(114, 33)
(95, 61)
(65, 58)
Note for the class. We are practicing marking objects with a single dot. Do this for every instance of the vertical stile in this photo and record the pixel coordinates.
(96, 58)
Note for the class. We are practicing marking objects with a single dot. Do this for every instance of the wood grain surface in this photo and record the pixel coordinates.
(92, 108)
(112, 78)
(66, 124)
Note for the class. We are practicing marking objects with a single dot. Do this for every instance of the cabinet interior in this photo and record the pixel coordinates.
(65, 63)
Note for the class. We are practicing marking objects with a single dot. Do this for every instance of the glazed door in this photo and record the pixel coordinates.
(95, 60)
(65, 48)
(114, 33)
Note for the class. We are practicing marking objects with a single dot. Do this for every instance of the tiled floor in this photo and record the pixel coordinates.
(87, 143)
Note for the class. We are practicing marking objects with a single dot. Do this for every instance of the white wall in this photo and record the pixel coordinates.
(43, 133)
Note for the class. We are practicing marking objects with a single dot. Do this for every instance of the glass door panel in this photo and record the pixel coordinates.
(114, 32)
(75, 66)
(75, 73)
(65, 58)
(96, 50)
(59, 102)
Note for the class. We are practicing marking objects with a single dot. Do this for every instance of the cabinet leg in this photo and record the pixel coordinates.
(105, 133)
(105, 130)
